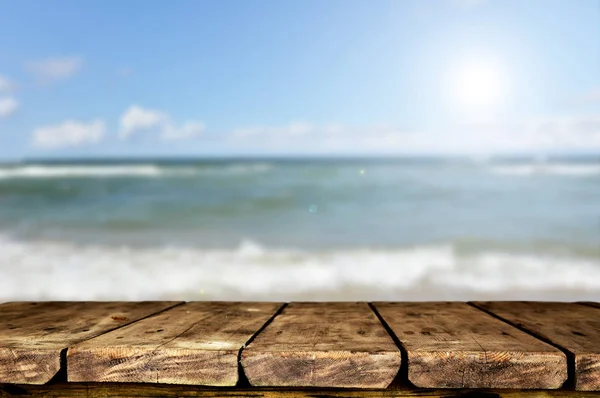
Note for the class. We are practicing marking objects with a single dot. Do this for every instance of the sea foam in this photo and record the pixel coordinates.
(79, 171)
(528, 169)
(42, 270)
(137, 170)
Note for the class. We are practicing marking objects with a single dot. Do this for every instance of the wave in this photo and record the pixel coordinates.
(41, 270)
(235, 169)
(79, 171)
(548, 169)
(140, 170)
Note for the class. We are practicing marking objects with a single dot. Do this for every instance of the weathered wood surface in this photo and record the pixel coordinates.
(106, 390)
(453, 345)
(323, 345)
(573, 327)
(195, 343)
(591, 303)
(33, 334)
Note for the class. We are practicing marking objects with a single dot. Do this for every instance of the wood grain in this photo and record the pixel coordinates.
(195, 343)
(323, 345)
(573, 327)
(106, 390)
(33, 334)
(453, 345)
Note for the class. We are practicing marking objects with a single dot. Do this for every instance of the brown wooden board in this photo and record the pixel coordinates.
(33, 334)
(453, 345)
(573, 327)
(323, 345)
(106, 390)
(591, 303)
(195, 343)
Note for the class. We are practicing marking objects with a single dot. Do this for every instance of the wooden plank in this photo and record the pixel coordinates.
(573, 327)
(195, 343)
(453, 345)
(323, 345)
(33, 334)
(591, 303)
(105, 390)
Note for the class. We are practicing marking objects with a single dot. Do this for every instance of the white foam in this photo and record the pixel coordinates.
(62, 271)
(79, 171)
(548, 169)
(138, 170)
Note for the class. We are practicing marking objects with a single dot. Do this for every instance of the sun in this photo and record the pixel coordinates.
(478, 85)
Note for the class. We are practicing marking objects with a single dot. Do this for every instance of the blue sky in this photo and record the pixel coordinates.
(138, 78)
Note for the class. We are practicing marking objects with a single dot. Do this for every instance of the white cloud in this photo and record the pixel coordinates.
(54, 69)
(137, 119)
(329, 138)
(293, 129)
(5, 84)
(186, 131)
(8, 106)
(543, 134)
(70, 133)
(574, 131)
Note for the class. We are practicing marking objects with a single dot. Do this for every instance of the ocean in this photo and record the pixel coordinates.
(301, 229)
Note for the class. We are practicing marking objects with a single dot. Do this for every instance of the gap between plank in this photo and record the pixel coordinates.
(570, 382)
(61, 375)
(402, 377)
(242, 379)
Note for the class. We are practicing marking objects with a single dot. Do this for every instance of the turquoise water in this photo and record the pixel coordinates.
(301, 229)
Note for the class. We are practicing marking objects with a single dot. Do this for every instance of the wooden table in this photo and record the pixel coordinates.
(344, 349)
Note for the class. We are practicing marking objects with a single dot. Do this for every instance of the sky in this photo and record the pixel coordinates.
(328, 77)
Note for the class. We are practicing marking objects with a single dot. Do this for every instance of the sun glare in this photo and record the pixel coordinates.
(478, 85)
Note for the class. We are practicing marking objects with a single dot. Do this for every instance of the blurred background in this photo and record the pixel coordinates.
(300, 150)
